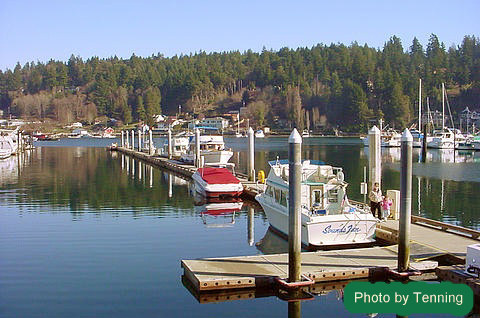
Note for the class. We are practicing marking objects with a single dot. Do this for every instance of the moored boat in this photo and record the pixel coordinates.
(6, 147)
(328, 217)
(179, 146)
(212, 149)
(259, 134)
(216, 182)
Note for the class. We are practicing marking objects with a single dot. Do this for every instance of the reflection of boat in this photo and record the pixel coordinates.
(9, 170)
(259, 134)
(212, 149)
(215, 206)
(272, 243)
(213, 210)
(328, 218)
(216, 182)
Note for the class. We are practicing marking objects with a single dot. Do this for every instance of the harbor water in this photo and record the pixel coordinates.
(89, 233)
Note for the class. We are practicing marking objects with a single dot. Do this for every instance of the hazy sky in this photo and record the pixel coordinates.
(43, 30)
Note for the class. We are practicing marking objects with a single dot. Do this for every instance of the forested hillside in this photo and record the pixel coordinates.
(347, 85)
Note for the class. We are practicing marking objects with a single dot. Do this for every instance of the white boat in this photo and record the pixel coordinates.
(391, 138)
(259, 134)
(328, 218)
(417, 138)
(179, 146)
(472, 143)
(212, 149)
(442, 139)
(388, 138)
(214, 182)
(305, 133)
(7, 146)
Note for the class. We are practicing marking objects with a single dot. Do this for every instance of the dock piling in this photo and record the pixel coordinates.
(169, 143)
(294, 206)
(140, 140)
(197, 148)
(127, 139)
(405, 201)
(133, 140)
(375, 163)
(150, 142)
(251, 155)
(122, 140)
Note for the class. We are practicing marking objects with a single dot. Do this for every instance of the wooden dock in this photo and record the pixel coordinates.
(427, 243)
(430, 240)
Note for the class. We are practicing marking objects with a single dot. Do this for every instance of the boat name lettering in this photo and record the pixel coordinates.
(341, 229)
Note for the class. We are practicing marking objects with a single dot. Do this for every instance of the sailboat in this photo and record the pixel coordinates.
(416, 133)
(446, 138)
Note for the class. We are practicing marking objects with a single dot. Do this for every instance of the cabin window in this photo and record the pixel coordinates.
(269, 191)
(278, 195)
(317, 196)
(283, 198)
(333, 196)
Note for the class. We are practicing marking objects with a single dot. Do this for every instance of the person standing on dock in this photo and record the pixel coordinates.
(376, 198)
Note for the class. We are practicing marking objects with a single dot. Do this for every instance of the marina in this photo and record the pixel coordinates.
(241, 230)
(431, 243)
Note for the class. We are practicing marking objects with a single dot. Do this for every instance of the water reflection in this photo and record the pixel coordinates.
(217, 212)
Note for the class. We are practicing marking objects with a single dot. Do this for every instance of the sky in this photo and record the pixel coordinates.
(43, 30)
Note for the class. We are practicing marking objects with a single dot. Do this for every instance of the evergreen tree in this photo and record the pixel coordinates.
(152, 104)
(141, 114)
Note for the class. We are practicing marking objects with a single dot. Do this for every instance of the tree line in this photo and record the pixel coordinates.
(345, 86)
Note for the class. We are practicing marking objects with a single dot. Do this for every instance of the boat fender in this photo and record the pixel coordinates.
(340, 176)
(261, 176)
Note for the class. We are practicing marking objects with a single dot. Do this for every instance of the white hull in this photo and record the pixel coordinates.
(327, 230)
(441, 144)
(216, 190)
(5, 153)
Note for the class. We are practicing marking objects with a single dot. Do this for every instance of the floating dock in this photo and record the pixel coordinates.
(427, 243)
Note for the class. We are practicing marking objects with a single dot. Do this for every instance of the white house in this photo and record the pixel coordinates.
(217, 122)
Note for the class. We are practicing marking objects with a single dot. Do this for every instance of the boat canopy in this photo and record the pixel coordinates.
(217, 175)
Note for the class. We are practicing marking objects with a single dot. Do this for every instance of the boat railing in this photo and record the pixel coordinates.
(360, 205)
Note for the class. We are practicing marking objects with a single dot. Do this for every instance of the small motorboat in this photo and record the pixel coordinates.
(214, 182)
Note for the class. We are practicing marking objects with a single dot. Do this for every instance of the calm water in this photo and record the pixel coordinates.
(88, 233)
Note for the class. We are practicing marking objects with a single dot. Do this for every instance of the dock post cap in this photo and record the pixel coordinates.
(374, 130)
(250, 130)
(406, 135)
(295, 137)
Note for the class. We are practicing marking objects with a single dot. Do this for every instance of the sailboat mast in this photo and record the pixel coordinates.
(443, 107)
(420, 104)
